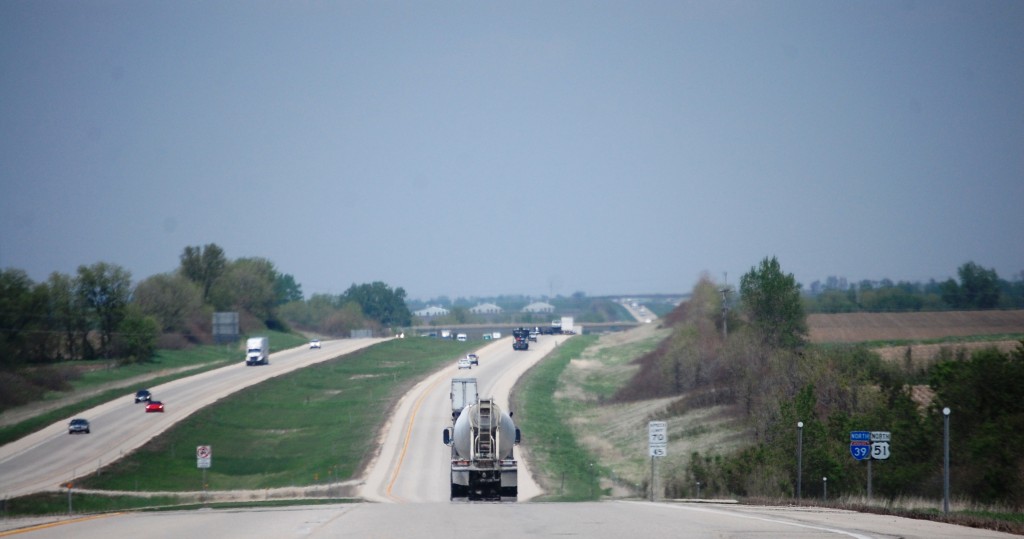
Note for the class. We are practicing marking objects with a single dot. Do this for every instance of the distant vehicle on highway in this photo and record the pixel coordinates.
(143, 395)
(257, 351)
(155, 406)
(474, 359)
(461, 337)
(315, 343)
(78, 426)
(464, 363)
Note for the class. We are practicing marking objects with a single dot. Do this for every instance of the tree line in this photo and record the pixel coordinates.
(761, 366)
(99, 313)
(977, 288)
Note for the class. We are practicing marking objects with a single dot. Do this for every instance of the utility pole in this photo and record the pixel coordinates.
(725, 306)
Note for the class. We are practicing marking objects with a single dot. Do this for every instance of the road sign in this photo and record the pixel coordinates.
(204, 456)
(880, 450)
(657, 438)
(860, 450)
(881, 436)
(860, 436)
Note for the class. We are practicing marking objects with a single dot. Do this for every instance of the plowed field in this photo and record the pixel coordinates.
(863, 327)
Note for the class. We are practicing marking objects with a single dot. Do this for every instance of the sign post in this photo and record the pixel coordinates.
(657, 445)
(204, 459)
(869, 446)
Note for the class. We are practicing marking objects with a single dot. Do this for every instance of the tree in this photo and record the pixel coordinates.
(380, 303)
(979, 286)
(286, 289)
(247, 285)
(204, 266)
(15, 289)
(104, 290)
(984, 393)
(135, 340)
(171, 299)
(772, 302)
(68, 316)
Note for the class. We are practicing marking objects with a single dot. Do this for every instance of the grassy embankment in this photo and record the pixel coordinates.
(579, 426)
(109, 381)
(314, 426)
(568, 472)
(582, 446)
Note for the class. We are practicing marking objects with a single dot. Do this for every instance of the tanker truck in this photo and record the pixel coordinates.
(483, 466)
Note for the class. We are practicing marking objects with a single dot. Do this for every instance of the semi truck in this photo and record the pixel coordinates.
(520, 338)
(463, 394)
(257, 351)
(483, 466)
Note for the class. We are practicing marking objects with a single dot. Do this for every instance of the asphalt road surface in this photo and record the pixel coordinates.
(46, 459)
(604, 520)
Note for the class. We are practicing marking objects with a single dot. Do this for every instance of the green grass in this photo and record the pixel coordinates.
(554, 450)
(56, 503)
(315, 425)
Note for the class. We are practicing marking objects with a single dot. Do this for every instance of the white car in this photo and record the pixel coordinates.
(465, 364)
(315, 343)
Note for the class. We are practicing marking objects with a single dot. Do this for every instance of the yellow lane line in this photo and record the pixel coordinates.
(54, 524)
(408, 435)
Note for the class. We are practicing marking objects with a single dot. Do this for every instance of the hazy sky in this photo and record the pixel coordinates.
(482, 148)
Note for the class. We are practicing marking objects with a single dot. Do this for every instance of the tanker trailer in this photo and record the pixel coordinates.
(483, 466)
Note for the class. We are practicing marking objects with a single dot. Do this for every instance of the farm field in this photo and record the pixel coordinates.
(914, 326)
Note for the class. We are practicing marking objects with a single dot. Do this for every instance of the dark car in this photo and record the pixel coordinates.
(78, 426)
(474, 359)
(143, 395)
(155, 406)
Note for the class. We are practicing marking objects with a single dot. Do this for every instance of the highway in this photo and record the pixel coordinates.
(51, 457)
(413, 465)
(406, 487)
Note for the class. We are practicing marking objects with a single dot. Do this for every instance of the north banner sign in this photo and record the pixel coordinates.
(873, 445)
(860, 444)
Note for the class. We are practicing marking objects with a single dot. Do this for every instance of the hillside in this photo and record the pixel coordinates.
(613, 430)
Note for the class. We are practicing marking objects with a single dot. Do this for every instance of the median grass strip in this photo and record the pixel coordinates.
(570, 472)
(317, 425)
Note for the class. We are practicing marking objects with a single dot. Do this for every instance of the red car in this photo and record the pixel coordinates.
(154, 406)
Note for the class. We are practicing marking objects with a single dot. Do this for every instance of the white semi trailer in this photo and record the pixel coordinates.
(463, 394)
(483, 466)
(257, 351)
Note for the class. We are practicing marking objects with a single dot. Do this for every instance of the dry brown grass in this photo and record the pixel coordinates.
(865, 327)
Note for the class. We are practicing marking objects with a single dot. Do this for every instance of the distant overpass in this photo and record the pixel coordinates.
(476, 331)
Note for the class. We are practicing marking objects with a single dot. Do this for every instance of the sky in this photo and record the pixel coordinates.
(473, 148)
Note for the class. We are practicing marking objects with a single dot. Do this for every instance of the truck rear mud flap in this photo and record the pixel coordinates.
(483, 485)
